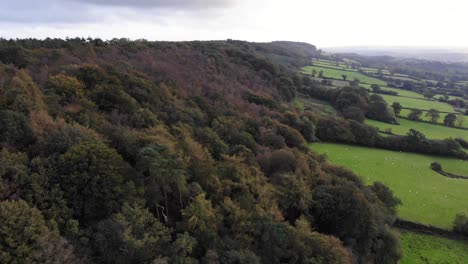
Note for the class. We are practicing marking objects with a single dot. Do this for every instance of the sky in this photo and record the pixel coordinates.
(325, 23)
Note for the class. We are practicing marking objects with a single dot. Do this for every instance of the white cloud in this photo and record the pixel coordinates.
(324, 23)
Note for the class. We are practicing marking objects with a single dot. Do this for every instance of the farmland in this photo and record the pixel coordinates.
(440, 120)
(400, 92)
(427, 197)
(418, 103)
(431, 131)
(422, 248)
(338, 74)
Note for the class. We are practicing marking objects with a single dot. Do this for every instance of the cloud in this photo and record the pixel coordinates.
(179, 4)
(93, 11)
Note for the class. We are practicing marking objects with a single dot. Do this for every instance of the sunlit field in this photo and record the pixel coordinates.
(427, 196)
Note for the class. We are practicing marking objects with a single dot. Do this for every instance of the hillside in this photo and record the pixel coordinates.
(174, 152)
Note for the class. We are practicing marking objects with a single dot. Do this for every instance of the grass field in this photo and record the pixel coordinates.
(421, 248)
(374, 70)
(400, 92)
(337, 74)
(333, 65)
(431, 131)
(427, 196)
(405, 112)
(418, 103)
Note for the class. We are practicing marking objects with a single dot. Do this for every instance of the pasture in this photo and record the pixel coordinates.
(427, 196)
(422, 248)
(406, 112)
(431, 131)
(400, 92)
(338, 74)
(418, 103)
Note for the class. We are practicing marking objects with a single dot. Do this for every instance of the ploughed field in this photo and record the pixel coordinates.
(428, 197)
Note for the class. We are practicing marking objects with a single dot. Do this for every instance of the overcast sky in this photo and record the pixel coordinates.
(325, 23)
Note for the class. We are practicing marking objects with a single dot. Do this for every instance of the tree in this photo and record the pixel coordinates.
(133, 235)
(314, 72)
(375, 88)
(450, 119)
(320, 75)
(460, 121)
(25, 237)
(460, 224)
(200, 217)
(354, 113)
(162, 173)
(433, 114)
(344, 77)
(92, 177)
(415, 115)
(397, 108)
(17, 245)
(436, 166)
(67, 87)
(14, 129)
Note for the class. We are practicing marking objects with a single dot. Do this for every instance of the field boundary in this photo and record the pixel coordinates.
(451, 175)
(429, 122)
(428, 229)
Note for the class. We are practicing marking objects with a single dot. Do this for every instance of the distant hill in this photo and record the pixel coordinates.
(435, 54)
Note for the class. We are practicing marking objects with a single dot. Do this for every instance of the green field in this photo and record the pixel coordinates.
(402, 78)
(331, 64)
(421, 248)
(418, 103)
(337, 74)
(374, 70)
(400, 92)
(405, 112)
(431, 131)
(427, 196)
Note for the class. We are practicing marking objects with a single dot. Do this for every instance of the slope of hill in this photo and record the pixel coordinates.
(179, 152)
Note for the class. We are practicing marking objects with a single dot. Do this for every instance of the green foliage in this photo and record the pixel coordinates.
(133, 235)
(415, 115)
(68, 88)
(199, 133)
(27, 239)
(14, 129)
(163, 175)
(460, 224)
(92, 177)
(403, 173)
(22, 228)
(449, 120)
(430, 130)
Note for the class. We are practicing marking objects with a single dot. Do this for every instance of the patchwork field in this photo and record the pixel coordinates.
(427, 196)
(406, 112)
(431, 131)
(400, 92)
(421, 248)
(337, 74)
(418, 103)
